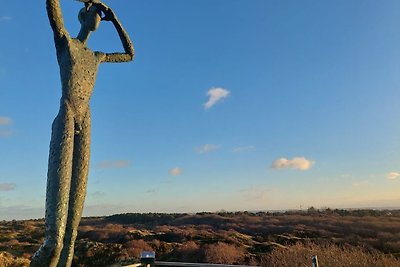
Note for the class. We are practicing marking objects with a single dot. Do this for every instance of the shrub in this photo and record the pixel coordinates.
(8, 260)
(329, 255)
(189, 252)
(134, 247)
(223, 253)
(94, 254)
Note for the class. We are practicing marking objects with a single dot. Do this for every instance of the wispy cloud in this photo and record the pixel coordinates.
(175, 171)
(104, 209)
(364, 183)
(392, 175)
(98, 194)
(6, 133)
(255, 193)
(21, 212)
(206, 148)
(114, 164)
(242, 149)
(5, 18)
(297, 163)
(215, 95)
(5, 123)
(7, 187)
(5, 120)
(151, 191)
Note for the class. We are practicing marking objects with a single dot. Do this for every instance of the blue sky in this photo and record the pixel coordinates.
(303, 106)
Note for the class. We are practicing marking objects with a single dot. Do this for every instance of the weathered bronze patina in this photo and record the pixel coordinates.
(70, 141)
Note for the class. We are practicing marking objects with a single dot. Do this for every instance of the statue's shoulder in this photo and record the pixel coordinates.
(62, 44)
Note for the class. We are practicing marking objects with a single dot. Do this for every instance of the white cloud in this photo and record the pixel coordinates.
(392, 175)
(207, 148)
(175, 171)
(116, 164)
(5, 120)
(215, 95)
(298, 163)
(7, 187)
(242, 149)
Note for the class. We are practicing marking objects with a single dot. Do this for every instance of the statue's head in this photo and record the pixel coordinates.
(90, 17)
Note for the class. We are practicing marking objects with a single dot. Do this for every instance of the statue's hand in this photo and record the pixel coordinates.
(108, 13)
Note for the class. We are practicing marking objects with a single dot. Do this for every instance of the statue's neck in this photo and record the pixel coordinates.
(83, 35)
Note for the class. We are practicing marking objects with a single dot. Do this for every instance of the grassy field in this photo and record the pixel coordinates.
(338, 237)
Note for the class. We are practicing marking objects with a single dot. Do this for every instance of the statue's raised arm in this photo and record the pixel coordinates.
(123, 35)
(55, 17)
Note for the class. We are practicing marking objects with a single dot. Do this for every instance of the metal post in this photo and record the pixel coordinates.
(147, 258)
(314, 261)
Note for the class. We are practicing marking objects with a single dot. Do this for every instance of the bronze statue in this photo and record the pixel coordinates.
(70, 141)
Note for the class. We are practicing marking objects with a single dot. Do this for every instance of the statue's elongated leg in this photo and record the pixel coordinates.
(58, 186)
(80, 173)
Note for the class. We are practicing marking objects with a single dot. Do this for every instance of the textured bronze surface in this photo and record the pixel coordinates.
(70, 141)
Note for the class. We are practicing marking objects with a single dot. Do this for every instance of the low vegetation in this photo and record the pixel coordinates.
(338, 237)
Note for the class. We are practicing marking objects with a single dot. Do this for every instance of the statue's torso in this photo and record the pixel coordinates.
(78, 69)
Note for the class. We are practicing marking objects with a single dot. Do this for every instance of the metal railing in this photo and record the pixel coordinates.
(148, 260)
(184, 264)
(187, 264)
